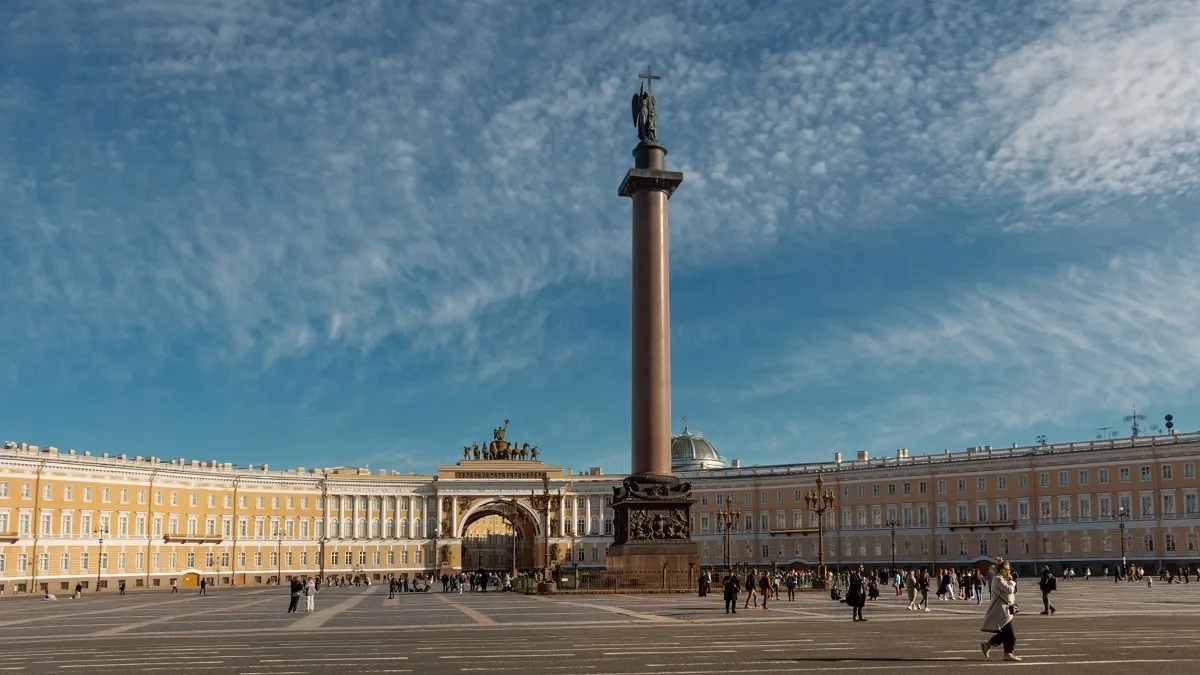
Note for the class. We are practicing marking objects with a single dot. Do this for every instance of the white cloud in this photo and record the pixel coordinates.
(1104, 103)
(269, 182)
(1038, 351)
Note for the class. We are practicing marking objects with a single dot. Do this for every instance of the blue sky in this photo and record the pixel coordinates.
(314, 233)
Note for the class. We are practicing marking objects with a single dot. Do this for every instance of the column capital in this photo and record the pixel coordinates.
(649, 179)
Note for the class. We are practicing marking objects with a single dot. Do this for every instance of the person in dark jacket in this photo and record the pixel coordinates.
(1048, 584)
(732, 585)
(856, 593)
(296, 587)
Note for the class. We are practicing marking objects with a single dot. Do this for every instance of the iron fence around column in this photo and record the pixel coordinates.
(602, 581)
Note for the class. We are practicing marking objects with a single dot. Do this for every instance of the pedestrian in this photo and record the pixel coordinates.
(204, 587)
(1048, 585)
(310, 594)
(1000, 613)
(751, 590)
(791, 585)
(121, 587)
(765, 587)
(701, 584)
(78, 591)
(174, 587)
(856, 593)
(295, 588)
(910, 587)
(731, 585)
(923, 589)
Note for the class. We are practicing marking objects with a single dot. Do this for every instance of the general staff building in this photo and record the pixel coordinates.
(70, 517)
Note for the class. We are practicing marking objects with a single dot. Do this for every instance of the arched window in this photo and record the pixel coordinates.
(361, 532)
(403, 529)
(348, 528)
(333, 528)
(389, 528)
(430, 525)
(417, 526)
(374, 527)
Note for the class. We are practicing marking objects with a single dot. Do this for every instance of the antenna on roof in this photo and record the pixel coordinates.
(1134, 419)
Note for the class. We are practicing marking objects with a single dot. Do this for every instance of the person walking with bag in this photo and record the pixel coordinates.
(999, 617)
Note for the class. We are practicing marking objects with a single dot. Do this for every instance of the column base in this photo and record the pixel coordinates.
(646, 558)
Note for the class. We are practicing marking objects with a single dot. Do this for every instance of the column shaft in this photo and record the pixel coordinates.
(651, 362)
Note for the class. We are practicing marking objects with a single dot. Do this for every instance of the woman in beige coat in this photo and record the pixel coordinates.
(999, 617)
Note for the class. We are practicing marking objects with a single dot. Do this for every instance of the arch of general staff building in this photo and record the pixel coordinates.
(68, 518)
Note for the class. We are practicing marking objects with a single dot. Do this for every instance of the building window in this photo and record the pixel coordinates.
(1189, 471)
(1044, 480)
(980, 484)
(1001, 483)
(962, 485)
(941, 487)
(1169, 542)
(1062, 477)
(1022, 481)
(923, 487)
(891, 488)
(1102, 476)
(1148, 543)
(1123, 474)
(908, 488)
(1166, 472)
(1083, 477)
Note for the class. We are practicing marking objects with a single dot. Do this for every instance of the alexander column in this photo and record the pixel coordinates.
(652, 507)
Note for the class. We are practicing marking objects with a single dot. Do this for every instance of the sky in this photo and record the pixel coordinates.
(313, 233)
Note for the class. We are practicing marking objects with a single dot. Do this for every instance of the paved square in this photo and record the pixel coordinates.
(1101, 627)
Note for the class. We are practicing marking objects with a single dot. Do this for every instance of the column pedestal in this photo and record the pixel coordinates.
(652, 526)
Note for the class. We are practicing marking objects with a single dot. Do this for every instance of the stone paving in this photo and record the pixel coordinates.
(1100, 628)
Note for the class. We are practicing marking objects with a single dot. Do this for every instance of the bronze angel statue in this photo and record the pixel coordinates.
(644, 114)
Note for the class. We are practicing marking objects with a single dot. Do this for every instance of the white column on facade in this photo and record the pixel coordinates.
(575, 515)
(396, 517)
(412, 517)
(324, 523)
(437, 509)
(370, 514)
(342, 533)
(453, 518)
(562, 517)
(587, 514)
(354, 516)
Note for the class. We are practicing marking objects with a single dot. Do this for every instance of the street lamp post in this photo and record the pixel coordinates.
(820, 501)
(100, 557)
(728, 518)
(892, 525)
(1121, 516)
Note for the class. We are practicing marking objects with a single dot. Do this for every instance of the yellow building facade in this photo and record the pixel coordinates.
(70, 518)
